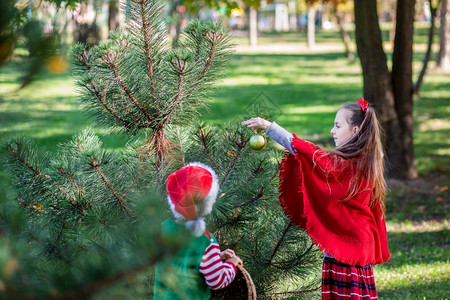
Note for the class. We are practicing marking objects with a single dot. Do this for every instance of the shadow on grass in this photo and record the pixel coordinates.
(418, 200)
(418, 248)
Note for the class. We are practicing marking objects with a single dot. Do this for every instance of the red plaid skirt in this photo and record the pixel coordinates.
(341, 281)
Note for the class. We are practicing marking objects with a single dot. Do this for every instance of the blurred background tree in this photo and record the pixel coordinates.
(443, 58)
(17, 20)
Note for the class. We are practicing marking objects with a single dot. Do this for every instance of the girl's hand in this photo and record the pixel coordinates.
(235, 260)
(227, 254)
(255, 123)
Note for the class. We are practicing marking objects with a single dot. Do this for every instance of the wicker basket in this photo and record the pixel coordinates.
(242, 287)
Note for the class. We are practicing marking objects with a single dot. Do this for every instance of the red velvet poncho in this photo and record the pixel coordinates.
(311, 194)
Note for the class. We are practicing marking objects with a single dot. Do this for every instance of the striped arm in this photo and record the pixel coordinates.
(218, 274)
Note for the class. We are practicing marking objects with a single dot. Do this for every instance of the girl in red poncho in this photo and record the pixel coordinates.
(337, 196)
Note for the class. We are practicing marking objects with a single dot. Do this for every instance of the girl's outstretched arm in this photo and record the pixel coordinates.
(257, 123)
(273, 131)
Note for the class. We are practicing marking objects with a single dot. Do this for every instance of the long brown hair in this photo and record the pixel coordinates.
(366, 147)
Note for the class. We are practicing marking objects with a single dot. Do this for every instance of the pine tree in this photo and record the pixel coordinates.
(85, 219)
(134, 82)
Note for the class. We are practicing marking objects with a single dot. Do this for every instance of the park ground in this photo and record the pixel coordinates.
(305, 88)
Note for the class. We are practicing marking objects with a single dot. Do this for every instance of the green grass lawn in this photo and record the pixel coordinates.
(304, 91)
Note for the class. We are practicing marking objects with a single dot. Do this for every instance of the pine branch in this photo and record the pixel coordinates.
(47, 244)
(277, 172)
(181, 146)
(37, 208)
(297, 292)
(94, 287)
(213, 39)
(111, 63)
(207, 65)
(94, 164)
(255, 171)
(63, 172)
(256, 197)
(55, 207)
(203, 137)
(284, 265)
(53, 246)
(240, 143)
(180, 68)
(150, 61)
(103, 102)
(260, 194)
(253, 240)
(93, 90)
(275, 250)
(290, 262)
(45, 177)
(104, 223)
(15, 155)
(59, 234)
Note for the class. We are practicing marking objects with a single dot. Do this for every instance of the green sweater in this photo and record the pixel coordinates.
(178, 276)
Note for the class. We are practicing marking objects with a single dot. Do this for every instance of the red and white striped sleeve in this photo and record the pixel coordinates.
(217, 274)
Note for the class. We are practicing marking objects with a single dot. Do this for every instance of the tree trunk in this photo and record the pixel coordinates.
(178, 18)
(403, 158)
(378, 88)
(292, 15)
(178, 25)
(426, 59)
(113, 15)
(344, 34)
(443, 58)
(87, 32)
(311, 26)
(253, 27)
(377, 82)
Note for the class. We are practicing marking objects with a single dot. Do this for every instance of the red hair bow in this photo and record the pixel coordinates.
(364, 104)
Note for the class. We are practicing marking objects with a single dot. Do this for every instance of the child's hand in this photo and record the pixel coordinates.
(226, 254)
(255, 123)
(235, 260)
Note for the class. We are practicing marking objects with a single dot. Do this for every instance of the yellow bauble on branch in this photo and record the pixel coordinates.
(257, 142)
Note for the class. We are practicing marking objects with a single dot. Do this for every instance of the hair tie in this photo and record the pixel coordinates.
(364, 104)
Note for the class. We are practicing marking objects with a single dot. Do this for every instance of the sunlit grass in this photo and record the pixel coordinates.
(420, 261)
(245, 81)
(422, 226)
(422, 281)
(290, 109)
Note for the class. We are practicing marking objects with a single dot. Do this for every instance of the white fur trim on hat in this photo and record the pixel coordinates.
(196, 227)
(172, 208)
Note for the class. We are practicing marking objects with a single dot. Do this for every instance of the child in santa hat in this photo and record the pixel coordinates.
(199, 265)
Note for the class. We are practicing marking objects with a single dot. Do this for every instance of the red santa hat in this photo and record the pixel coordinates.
(191, 192)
